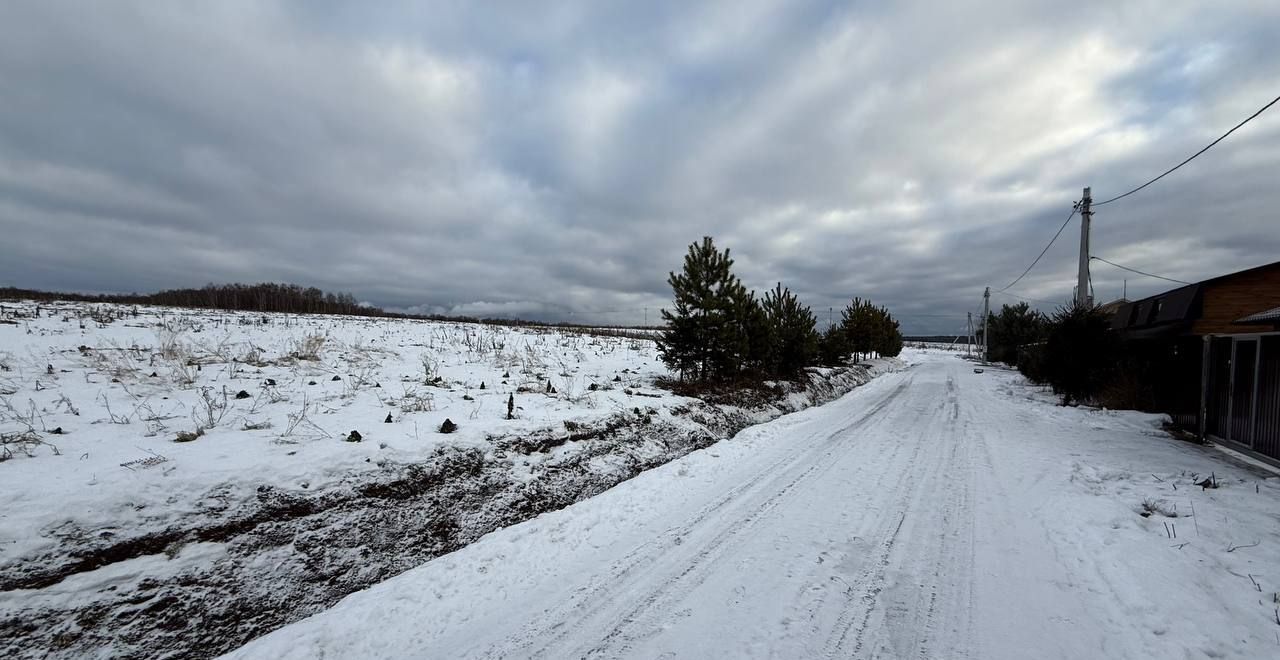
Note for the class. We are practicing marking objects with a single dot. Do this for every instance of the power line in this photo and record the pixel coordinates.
(1074, 208)
(1135, 270)
(1193, 156)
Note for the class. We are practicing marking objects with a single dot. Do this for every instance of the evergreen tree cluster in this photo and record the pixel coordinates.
(870, 330)
(1079, 355)
(717, 330)
(864, 330)
(1014, 328)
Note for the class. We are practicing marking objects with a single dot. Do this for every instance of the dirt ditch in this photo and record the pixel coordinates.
(280, 556)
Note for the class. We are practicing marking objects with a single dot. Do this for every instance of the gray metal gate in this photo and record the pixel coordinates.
(1242, 398)
(1266, 430)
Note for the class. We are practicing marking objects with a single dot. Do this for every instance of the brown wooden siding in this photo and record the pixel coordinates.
(1237, 297)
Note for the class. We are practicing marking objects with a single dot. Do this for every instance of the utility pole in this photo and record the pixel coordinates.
(646, 317)
(968, 346)
(1082, 279)
(986, 313)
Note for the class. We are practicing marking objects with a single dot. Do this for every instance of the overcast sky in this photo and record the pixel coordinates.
(555, 160)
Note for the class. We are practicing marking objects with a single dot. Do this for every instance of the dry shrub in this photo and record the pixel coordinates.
(309, 347)
(417, 401)
(1126, 390)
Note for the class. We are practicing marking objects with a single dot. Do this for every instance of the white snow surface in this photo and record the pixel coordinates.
(933, 513)
(125, 417)
(121, 542)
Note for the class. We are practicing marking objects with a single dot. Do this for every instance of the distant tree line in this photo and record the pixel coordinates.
(960, 340)
(265, 297)
(718, 331)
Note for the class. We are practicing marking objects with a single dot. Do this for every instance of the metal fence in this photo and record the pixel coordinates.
(1241, 395)
(1167, 377)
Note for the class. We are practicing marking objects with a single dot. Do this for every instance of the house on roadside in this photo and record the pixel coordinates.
(1267, 317)
(1111, 307)
(1209, 353)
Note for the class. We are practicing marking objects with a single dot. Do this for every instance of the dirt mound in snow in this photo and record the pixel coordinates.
(250, 562)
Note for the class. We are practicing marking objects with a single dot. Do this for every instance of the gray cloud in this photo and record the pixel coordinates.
(507, 158)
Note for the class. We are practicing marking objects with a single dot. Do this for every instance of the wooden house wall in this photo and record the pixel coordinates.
(1237, 297)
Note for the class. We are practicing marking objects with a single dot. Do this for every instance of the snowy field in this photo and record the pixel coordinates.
(944, 347)
(935, 513)
(175, 480)
(122, 391)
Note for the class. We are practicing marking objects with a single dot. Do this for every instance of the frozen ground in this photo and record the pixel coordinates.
(309, 380)
(934, 513)
(119, 540)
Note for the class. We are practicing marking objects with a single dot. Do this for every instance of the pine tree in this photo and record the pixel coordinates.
(889, 339)
(833, 346)
(746, 335)
(859, 323)
(694, 341)
(1015, 326)
(870, 329)
(1081, 352)
(793, 332)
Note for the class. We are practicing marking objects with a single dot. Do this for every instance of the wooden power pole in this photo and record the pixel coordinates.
(1082, 277)
(968, 345)
(986, 313)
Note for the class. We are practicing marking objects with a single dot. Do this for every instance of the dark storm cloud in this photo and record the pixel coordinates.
(515, 159)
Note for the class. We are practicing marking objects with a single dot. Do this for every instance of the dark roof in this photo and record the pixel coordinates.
(1176, 307)
(1269, 316)
(1112, 306)
(1159, 331)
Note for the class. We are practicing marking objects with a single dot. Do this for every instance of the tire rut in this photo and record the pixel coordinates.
(582, 608)
(848, 636)
(695, 573)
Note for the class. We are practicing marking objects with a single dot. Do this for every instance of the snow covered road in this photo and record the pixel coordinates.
(933, 513)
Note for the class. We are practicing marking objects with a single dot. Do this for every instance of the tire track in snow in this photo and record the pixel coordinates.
(735, 525)
(911, 555)
(592, 601)
(649, 615)
(933, 597)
